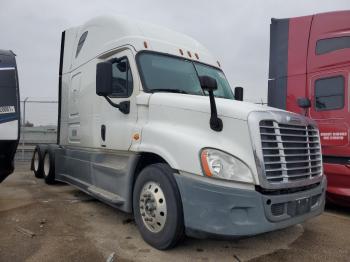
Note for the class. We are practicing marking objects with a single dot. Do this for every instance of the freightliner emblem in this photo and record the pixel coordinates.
(293, 120)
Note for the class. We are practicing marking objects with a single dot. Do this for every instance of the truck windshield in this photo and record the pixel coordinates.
(164, 73)
(8, 88)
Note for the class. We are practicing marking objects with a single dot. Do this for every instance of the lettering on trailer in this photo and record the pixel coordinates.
(333, 135)
(7, 109)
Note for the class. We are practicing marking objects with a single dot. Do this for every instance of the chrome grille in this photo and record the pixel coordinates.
(291, 152)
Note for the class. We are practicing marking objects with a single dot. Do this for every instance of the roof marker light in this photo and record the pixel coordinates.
(196, 55)
(181, 52)
(218, 63)
(145, 44)
(189, 53)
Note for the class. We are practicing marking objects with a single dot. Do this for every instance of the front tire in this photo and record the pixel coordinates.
(157, 207)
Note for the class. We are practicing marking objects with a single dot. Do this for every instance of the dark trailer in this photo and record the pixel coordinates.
(9, 112)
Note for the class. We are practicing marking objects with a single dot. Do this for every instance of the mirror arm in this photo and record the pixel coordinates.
(123, 107)
(215, 121)
(305, 104)
(306, 110)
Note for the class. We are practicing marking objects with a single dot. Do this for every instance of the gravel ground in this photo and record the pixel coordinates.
(60, 223)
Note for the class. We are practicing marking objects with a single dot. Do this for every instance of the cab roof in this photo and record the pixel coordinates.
(7, 52)
(107, 34)
(7, 58)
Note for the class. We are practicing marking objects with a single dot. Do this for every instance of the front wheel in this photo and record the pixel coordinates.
(157, 207)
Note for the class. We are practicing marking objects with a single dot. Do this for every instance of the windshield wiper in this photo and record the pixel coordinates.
(169, 90)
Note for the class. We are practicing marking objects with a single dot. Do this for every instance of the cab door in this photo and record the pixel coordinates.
(117, 127)
(329, 91)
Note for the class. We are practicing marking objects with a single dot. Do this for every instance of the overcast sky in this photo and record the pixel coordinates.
(237, 32)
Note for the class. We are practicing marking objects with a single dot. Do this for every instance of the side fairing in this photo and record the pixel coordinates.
(288, 62)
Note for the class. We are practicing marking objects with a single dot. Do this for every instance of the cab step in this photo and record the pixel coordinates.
(105, 195)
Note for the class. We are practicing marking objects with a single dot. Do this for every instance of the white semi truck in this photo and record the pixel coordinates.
(149, 124)
(9, 112)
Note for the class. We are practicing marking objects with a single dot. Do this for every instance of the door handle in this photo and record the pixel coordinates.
(103, 132)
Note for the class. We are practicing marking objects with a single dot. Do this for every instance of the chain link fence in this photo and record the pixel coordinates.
(38, 125)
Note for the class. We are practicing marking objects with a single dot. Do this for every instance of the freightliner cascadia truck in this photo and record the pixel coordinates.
(9, 112)
(148, 123)
(309, 74)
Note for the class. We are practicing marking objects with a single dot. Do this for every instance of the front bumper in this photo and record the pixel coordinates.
(217, 210)
(338, 177)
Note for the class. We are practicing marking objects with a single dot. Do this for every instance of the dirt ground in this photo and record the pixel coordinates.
(60, 223)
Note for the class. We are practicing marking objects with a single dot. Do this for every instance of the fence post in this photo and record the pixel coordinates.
(23, 125)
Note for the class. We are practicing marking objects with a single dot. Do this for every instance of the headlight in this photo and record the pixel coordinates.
(218, 164)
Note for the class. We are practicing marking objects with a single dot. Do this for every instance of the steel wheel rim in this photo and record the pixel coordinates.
(36, 161)
(46, 165)
(153, 208)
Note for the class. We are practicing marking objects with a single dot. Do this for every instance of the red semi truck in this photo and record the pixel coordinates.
(309, 74)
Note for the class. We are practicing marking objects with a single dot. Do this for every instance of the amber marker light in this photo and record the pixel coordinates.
(136, 136)
(205, 166)
(196, 55)
(145, 44)
(189, 53)
(181, 52)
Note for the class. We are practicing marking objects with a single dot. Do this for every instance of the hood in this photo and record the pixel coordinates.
(225, 107)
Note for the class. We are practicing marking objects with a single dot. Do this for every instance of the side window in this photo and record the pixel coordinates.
(122, 83)
(81, 43)
(324, 46)
(329, 93)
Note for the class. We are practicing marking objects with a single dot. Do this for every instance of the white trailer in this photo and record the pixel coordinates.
(149, 124)
(9, 112)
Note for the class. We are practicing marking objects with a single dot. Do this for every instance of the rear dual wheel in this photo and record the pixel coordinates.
(37, 163)
(49, 167)
(43, 163)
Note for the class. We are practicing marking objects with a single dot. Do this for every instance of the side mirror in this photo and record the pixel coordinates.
(304, 102)
(208, 83)
(104, 79)
(104, 86)
(238, 93)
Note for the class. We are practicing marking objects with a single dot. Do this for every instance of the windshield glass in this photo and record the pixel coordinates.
(8, 90)
(172, 74)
